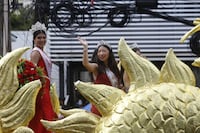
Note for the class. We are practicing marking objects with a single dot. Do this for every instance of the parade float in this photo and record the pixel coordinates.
(20, 83)
(158, 101)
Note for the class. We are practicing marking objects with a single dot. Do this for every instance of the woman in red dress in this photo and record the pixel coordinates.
(44, 108)
(104, 68)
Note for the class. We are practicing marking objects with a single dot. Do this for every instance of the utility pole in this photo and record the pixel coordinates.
(5, 41)
(6, 28)
(1, 28)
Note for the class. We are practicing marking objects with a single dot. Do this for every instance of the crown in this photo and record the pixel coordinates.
(102, 42)
(134, 45)
(38, 26)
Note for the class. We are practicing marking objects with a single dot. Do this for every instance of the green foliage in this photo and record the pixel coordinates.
(22, 19)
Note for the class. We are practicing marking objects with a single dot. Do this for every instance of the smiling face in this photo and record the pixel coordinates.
(103, 54)
(40, 40)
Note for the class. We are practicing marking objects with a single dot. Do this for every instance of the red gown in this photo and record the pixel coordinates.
(44, 109)
(101, 79)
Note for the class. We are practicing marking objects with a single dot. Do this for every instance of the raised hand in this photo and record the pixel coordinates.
(82, 41)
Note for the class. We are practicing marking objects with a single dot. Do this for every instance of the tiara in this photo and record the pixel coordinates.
(38, 26)
(102, 42)
(134, 45)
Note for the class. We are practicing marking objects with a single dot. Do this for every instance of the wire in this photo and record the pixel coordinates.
(66, 14)
(77, 15)
(61, 20)
(80, 14)
(117, 12)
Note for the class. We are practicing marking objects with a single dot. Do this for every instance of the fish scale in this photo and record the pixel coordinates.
(164, 116)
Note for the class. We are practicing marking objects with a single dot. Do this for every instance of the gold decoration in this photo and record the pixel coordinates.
(17, 106)
(160, 101)
(196, 22)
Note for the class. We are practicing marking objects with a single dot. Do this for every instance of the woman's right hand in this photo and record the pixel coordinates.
(83, 42)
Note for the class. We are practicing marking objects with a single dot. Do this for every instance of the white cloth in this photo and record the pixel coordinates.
(46, 59)
(113, 79)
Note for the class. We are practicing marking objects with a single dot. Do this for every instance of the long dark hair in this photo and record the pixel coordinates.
(37, 33)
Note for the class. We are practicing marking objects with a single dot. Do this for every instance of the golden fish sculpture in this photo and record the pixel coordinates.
(195, 29)
(17, 106)
(159, 101)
